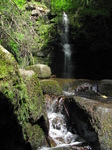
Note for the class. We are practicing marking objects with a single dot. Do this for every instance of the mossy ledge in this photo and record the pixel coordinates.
(50, 87)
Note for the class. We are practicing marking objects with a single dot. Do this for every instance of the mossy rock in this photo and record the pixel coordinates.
(50, 87)
(36, 103)
(35, 136)
(11, 83)
(8, 65)
(43, 71)
(36, 109)
(13, 89)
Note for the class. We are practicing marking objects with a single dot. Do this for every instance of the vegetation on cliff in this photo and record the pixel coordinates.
(90, 37)
(21, 32)
(30, 29)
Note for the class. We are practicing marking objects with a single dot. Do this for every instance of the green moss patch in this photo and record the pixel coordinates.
(50, 87)
(35, 97)
(11, 84)
(36, 135)
(8, 65)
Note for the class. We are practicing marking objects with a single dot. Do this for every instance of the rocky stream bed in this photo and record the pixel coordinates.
(25, 99)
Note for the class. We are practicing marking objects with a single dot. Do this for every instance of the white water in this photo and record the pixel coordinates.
(58, 129)
(66, 47)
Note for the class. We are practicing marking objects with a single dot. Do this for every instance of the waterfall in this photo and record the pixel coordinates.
(66, 47)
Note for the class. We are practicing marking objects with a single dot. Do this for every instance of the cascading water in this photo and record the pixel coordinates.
(58, 129)
(66, 47)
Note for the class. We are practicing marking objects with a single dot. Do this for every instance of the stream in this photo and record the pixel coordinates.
(58, 131)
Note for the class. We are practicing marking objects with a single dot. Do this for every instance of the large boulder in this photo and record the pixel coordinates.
(92, 119)
(43, 71)
(12, 110)
(26, 73)
(11, 83)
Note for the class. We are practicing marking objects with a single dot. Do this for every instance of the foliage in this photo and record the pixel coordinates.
(22, 35)
(88, 6)
(17, 33)
(64, 5)
(20, 3)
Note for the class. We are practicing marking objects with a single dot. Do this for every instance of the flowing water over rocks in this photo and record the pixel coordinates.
(59, 132)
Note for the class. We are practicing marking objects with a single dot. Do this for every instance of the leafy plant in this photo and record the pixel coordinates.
(20, 3)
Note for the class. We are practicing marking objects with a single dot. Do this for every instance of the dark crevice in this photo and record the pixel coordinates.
(11, 137)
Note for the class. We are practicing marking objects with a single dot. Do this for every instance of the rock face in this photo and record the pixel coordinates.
(21, 107)
(12, 94)
(43, 71)
(92, 120)
(37, 10)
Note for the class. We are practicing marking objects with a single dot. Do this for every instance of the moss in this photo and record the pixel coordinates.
(35, 97)
(51, 87)
(26, 97)
(12, 86)
(10, 80)
(103, 120)
(36, 135)
(36, 107)
(37, 4)
(7, 64)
